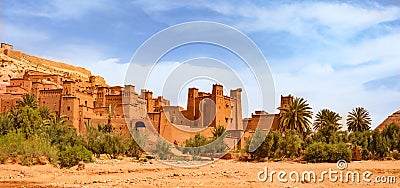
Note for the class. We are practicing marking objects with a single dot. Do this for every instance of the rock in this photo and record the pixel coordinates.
(81, 166)
(187, 158)
(43, 160)
(149, 156)
(8, 160)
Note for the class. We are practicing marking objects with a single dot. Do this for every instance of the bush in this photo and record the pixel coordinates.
(5, 125)
(392, 134)
(275, 145)
(16, 146)
(317, 152)
(340, 152)
(258, 146)
(193, 146)
(115, 145)
(136, 144)
(292, 144)
(73, 154)
(395, 154)
(379, 145)
(94, 140)
(360, 138)
(216, 145)
(323, 152)
(365, 153)
(162, 150)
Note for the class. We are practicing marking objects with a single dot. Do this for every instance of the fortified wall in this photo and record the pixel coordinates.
(25, 61)
(87, 100)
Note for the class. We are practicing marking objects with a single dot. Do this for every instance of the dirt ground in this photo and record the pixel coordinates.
(221, 173)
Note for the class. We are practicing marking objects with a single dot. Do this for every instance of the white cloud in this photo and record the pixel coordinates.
(92, 58)
(59, 9)
(316, 69)
(330, 74)
(305, 18)
(23, 34)
(111, 69)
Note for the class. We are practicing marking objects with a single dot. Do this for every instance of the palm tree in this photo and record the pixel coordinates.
(14, 115)
(45, 113)
(218, 131)
(358, 120)
(5, 124)
(56, 121)
(296, 116)
(327, 119)
(111, 113)
(28, 100)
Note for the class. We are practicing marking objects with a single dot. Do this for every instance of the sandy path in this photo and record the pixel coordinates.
(222, 173)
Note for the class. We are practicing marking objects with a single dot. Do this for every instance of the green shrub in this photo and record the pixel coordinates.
(323, 152)
(275, 145)
(395, 154)
(29, 150)
(115, 145)
(258, 147)
(365, 153)
(193, 146)
(5, 125)
(162, 150)
(136, 144)
(339, 152)
(73, 154)
(392, 134)
(292, 144)
(216, 145)
(317, 152)
(379, 145)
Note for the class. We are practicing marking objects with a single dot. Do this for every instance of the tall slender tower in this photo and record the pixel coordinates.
(191, 103)
(286, 101)
(218, 97)
(236, 114)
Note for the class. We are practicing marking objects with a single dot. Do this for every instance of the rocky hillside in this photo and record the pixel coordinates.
(394, 118)
(14, 64)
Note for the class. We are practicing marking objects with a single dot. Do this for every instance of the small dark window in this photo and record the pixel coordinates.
(139, 124)
(226, 120)
(68, 108)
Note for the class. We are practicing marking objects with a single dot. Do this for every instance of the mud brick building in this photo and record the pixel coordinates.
(86, 99)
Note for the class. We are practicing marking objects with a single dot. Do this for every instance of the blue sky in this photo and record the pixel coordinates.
(336, 54)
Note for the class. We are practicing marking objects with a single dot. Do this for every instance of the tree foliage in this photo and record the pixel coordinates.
(358, 120)
(28, 132)
(28, 100)
(327, 119)
(218, 131)
(323, 152)
(296, 116)
(162, 150)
